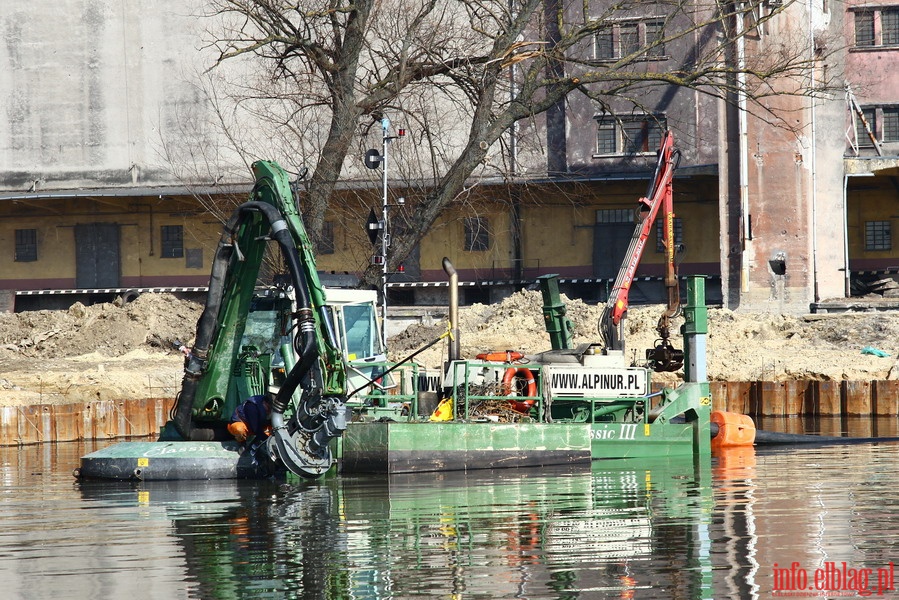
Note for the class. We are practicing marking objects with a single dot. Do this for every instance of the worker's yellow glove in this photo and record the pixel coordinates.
(239, 430)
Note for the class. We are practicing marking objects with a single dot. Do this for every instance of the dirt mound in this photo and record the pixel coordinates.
(741, 346)
(110, 352)
(152, 321)
(99, 352)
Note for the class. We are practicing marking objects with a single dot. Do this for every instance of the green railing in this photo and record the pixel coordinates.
(401, 387)
(476, 384)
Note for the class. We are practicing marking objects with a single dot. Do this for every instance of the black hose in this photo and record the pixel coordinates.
(207, 325)
(771, 438)
(309, 349)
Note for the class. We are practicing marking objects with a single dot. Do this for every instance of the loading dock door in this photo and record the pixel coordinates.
(612, 234)
(97, 260)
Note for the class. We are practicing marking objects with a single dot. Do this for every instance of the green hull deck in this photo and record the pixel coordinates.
(395, 447)
(170, 461)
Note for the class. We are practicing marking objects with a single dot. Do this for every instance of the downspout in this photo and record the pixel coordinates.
(743, 149)
(814, 156)
(517, 254)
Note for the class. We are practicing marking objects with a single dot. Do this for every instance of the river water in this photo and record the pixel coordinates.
(752, 524)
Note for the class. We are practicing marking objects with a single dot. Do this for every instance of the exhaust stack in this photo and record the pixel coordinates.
(454, 346)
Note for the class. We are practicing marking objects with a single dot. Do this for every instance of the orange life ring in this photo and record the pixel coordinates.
(507, 356)
(529, 391)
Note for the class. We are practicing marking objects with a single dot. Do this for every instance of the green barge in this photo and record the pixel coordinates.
(484, 428)
(315, 362)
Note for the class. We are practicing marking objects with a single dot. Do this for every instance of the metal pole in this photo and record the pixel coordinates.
(385, 234)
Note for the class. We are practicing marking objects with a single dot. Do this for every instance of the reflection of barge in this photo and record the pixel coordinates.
(495, 533)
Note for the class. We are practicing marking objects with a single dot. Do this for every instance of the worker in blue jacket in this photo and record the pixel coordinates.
(251, 419)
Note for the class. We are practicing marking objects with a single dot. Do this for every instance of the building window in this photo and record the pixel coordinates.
(633, 134)
(889, 27)
(628, 39)
(604, 45)
(877, 235)
(883, 121)
(625, 38)
(172, 241)
(477, 234)
(678, 234)
(864, 29)
(890, 124)
(655, 32)
(326, 245)
(869, 36)
(861, 134)
(26, 245)
(607, 138)
(614, 215)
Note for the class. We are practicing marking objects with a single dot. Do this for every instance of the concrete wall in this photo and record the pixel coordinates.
(786, 251)
(90, 87)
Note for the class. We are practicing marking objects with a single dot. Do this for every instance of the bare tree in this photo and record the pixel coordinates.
(330, 69)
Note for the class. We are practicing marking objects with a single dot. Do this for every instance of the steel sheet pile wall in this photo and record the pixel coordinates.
(807, 397)
(99, 420)
(145, 417)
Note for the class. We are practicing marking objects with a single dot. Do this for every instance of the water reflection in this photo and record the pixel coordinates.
(625, 529)
(621, 528)
(735, 545)
(805, 510)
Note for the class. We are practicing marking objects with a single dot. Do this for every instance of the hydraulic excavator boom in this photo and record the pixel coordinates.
(659, 197)
(292, 356)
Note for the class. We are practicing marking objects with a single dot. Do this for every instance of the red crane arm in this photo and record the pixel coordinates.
(658, 197)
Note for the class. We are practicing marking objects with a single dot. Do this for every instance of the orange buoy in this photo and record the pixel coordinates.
(507, 356)
(734, 429)
(530, 387)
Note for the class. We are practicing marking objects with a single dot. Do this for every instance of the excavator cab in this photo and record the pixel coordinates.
(355, 319)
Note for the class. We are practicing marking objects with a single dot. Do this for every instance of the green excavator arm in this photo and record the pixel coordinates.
(282, 345)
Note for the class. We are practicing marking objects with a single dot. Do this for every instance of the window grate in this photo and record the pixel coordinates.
(864, 29)
(889, 26)
(26, 245)
(877, 235)
(172, 241)
(629, 135)
(477, 234)
(890, 123)
(614, 215)
(861, 134)
(678, 234)
(326, 246)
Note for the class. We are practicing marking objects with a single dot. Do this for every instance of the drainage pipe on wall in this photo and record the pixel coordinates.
(743, 145)
(814, 152)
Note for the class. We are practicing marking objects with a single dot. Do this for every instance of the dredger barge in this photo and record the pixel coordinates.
(314, 360)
